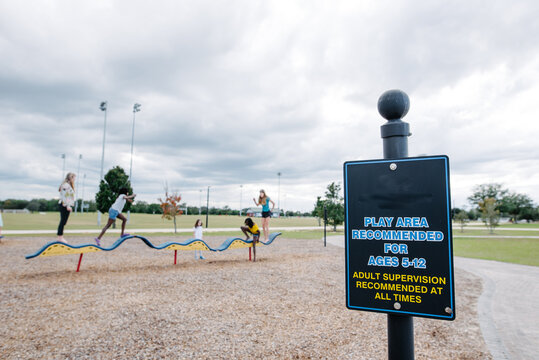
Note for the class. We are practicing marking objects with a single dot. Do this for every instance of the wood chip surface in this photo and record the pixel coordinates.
(134, 303)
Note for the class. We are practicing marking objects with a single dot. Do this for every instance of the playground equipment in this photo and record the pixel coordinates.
(60, 248)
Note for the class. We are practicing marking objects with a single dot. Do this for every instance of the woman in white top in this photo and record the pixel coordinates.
(115, 211)
(66, 202)
(197, 234)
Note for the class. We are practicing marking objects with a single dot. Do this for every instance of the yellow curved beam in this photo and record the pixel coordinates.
(59, 249)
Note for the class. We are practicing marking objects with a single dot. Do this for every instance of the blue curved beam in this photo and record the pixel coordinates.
(93, 248)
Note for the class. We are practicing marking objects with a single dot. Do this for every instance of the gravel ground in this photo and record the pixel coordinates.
(133, 303)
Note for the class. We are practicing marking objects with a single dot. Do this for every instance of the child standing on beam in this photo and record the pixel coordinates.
(115, 211)
(264, 201)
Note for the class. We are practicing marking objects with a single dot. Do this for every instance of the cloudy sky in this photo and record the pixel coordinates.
(233, 92)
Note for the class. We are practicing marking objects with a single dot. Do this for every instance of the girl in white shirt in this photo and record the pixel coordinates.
(197, 234)
(115, 211)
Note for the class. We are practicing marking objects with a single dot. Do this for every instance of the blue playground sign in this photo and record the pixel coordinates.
(399, 248)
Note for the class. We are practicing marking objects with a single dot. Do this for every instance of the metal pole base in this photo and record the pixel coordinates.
(400, 337)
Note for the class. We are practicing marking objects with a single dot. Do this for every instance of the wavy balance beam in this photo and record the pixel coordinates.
(60, 248)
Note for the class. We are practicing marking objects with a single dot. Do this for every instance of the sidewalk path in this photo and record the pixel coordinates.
(507, 308)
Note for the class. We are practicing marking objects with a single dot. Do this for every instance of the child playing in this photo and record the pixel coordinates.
(253, 229)
(115, 211)
(197, 234)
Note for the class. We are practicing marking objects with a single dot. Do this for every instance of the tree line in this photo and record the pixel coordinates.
(490, 202)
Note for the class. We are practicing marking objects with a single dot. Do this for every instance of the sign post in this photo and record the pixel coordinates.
(325, 222)
(399, 257)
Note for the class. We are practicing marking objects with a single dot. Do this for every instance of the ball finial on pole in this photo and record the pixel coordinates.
(393, 105)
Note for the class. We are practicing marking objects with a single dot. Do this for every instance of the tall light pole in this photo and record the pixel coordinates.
(103, 107)
(82, 197)
(200, 202)
(207, 206)
(279, 193)
(63, 156)
(77, 188)
(241, 195)
(136, 108)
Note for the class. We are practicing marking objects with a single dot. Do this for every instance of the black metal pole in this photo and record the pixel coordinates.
(207, 206)
(393, 105)
(325, 222)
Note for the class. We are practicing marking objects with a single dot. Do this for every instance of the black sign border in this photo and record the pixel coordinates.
(449, 243)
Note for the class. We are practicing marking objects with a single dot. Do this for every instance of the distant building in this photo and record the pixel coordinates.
(16, 211)
(257, 212)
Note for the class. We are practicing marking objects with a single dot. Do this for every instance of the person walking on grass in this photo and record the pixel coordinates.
(264, 200)
(66, 202)
(197, 234)
(115, 211)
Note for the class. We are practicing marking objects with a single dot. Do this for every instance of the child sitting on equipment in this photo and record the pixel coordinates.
(115, 211)
(251, 228)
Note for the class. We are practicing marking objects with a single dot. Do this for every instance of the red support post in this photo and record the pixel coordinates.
(175, 253)
(80, 259)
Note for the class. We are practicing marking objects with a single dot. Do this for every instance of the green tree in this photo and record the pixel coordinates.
(473, 214)
(15, 204)
(51, 205)
(33, 205)
(114, 180)
(462, 218)
(192, 210)
(529, 214)
(92, 207)
(492, 191)
(489, 213)
(516, 205)
(154, 209)
(140, 207)
(334, 203)
(318, 211)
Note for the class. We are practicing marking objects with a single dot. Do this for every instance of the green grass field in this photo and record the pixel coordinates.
(49, 221)
(517, 251)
